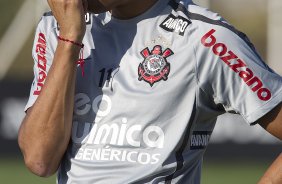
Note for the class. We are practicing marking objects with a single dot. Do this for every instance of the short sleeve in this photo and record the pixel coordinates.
(233, 74)
(44, 45)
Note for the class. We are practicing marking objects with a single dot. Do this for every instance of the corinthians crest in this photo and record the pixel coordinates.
(155, 66)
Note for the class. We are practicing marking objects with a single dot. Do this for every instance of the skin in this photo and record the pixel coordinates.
(273, 174)
(122, 9)
(46, 129)
(272, 122)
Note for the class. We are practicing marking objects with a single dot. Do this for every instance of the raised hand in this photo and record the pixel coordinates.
(70, 15)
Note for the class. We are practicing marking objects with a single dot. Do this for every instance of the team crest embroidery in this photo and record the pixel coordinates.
(155, 66)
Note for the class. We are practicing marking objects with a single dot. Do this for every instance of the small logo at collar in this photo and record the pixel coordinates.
(87, 18)
(175, 24)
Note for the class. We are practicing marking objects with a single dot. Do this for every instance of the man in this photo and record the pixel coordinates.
(151, 75)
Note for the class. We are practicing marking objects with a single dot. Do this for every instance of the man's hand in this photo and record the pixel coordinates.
(70, 15)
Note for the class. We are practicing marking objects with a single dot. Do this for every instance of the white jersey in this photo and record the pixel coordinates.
(152, 90)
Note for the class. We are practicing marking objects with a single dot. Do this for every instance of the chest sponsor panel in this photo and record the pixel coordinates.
(120, 140)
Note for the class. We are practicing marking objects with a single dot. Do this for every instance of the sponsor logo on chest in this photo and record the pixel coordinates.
(175, 24)
(118, 140)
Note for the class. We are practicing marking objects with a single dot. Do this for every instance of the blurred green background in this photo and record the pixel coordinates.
(249, 16)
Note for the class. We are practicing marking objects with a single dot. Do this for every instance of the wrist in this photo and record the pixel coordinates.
(78, 37)
(69, 49)
(73, 42)
(75, 45)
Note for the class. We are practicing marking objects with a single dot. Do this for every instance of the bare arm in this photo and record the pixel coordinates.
(45, 131)
(274, 173)
(272, 122)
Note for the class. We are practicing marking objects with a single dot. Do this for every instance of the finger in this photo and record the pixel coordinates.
(51, 5)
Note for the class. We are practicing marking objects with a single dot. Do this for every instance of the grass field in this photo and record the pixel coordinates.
(12, 171)
(232, 172)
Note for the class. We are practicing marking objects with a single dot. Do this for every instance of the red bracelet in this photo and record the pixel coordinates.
(80, 61)
(81, 45)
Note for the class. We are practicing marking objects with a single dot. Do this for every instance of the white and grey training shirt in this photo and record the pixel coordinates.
(153, 88)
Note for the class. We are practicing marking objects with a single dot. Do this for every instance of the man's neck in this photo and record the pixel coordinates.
(132, 9)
